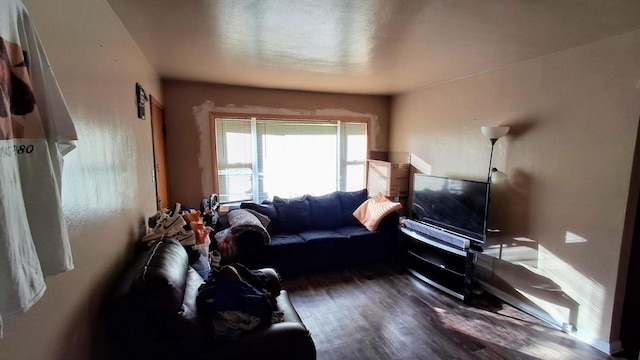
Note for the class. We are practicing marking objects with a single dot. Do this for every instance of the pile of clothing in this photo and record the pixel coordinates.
(237, 299)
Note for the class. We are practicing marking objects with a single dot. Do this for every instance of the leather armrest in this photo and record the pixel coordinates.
(285, 305)
(273, 275)
(283, 341)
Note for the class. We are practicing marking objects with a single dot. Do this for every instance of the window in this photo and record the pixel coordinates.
(258, 158)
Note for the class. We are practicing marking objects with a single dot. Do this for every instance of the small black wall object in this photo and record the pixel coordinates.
(141, 99)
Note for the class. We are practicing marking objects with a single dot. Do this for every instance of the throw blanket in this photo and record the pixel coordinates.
(242, 220)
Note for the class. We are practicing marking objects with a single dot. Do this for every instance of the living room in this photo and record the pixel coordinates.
(569, 202)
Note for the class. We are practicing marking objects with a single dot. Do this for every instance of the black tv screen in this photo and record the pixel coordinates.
(457, 206)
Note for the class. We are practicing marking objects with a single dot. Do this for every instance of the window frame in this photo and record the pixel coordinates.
(261, 116)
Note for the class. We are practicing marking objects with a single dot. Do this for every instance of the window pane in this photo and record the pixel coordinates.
(234, 159)
(237, 187)
(354, 154)
(238, 146)
(299, 158)
(355, 177)
(356, 141)
(288, 158)
(233, 142)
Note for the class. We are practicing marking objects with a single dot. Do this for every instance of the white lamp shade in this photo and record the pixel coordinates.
(494, 132)
(497, 176)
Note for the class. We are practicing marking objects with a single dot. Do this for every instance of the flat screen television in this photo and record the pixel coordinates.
(456, 206)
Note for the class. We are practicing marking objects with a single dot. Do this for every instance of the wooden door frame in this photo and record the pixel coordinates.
(155, 102)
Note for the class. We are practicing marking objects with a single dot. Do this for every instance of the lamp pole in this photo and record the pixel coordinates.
(493, 142)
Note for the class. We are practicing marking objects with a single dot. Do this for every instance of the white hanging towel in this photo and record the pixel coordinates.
(35, 132)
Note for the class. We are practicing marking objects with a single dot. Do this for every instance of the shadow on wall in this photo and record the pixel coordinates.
(508, 267)
(510, 205)
(103, 297)
(518, 285)
(520, 127)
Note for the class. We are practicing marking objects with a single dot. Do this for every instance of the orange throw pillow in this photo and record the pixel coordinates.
(372, 211)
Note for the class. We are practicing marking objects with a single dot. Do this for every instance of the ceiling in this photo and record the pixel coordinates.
(360, 46)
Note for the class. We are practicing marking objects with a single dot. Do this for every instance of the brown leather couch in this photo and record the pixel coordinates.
(154, 315)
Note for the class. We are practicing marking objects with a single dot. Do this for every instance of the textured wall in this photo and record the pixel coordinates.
(107, 185)
(574, 116)
(187, 110)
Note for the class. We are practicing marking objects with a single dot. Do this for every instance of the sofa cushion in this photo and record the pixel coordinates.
(286, 239)
(321, 235)
(329, 250)
(294, 215)
(326, 212)
(162, 280)
(370, 246)
(349, 202)
(352, 231)
(287, 253)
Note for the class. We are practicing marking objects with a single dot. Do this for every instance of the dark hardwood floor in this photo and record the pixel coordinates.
(381, 312)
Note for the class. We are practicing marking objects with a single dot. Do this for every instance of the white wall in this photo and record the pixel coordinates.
(107, 185)
(574, 116)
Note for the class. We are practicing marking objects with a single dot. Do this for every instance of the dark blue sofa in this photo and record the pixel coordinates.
(317, 233)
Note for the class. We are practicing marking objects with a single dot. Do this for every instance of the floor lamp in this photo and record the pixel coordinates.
(494, 133)
(494, 175)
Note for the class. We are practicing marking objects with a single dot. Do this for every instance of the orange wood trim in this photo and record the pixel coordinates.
(214, 153)
(288, 117)
(158, 142)
(233, 115)
(156, 102)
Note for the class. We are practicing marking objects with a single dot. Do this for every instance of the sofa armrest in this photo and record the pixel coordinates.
(274, 282)
(389, 227)
(286, 340)
(389, 221)
(250, 250)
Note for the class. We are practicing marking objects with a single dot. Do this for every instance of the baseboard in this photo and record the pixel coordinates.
(608, 348)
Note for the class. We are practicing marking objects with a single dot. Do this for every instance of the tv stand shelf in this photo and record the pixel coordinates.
(442, 265)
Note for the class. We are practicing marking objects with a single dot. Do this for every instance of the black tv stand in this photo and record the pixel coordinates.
(445, 266)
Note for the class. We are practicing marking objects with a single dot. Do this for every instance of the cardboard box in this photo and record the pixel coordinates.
(391, 179)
